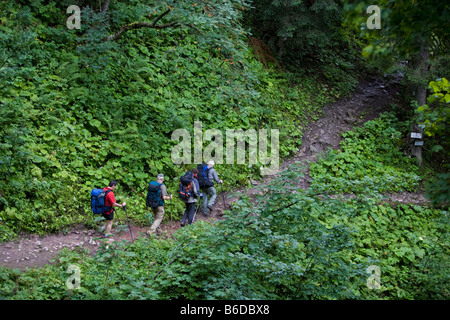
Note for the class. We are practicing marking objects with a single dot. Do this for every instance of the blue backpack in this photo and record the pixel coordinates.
(203, 176)
(153, 199)
(98, 201)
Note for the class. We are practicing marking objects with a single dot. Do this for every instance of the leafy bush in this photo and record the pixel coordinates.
(369, 159)
(434, 116)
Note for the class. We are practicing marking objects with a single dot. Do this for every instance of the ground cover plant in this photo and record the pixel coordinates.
(370, 158)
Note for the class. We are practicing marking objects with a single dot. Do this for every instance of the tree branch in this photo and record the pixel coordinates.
(161, 16)
(138, 25)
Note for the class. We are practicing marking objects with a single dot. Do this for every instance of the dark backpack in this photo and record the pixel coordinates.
(153, 199)
(203, 176)
(98, 201)
(186, 186)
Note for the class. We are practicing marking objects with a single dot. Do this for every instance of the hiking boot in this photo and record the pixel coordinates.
(210, 208)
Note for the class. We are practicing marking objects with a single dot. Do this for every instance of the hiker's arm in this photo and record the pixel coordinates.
(216, 177)
(119, 205)
(164, 194)
(196, 193)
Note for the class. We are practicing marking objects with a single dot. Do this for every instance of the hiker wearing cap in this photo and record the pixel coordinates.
(110, 203)
(158, 209)
(194, 193)
(210, 191)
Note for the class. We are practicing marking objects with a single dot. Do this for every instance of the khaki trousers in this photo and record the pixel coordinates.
(159, 214)
(108, 226)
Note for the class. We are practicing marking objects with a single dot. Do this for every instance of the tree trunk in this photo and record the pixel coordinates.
(416, 151)
(421, 67)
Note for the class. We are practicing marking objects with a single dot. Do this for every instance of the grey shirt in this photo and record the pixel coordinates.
(213, 175)
(163, 192)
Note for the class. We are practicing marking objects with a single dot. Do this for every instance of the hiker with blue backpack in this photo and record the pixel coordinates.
(206, 177)
(156, 195)
(103, 202)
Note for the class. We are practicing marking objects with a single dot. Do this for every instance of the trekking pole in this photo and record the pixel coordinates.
(118, 218)
(128, 221)
(223, 197)
(195, 212)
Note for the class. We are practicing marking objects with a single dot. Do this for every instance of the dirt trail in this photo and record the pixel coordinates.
(370, 99)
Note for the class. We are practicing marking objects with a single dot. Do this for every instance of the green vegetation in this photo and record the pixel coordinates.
(307, 35)
(81, 107)
(415, 33)
(435, 117)
(77, 111)
(412, 31)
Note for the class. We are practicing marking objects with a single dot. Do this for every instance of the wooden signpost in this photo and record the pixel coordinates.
(417, 135)
(418, 144)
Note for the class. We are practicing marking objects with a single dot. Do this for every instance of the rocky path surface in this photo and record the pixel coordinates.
(370, 99)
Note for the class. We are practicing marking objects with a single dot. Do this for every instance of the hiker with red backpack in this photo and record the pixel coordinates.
(188, 193)
(109, 204)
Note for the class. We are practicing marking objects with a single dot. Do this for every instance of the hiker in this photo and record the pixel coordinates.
(156, 195)
(190, 203)
(211, 191)
(110, 202)
(195, 172)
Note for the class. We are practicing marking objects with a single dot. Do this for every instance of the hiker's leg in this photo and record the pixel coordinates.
(108, 226)
(205, 202)
(212, 199)
(190, 211)
(185, 216)
(109, 222)
(159, 214)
